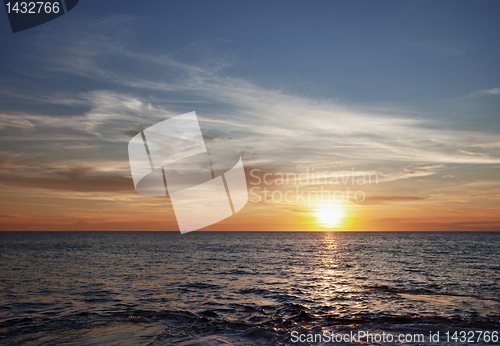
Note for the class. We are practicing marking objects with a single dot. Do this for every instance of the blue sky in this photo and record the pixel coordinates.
(410, 89)
(391, 51)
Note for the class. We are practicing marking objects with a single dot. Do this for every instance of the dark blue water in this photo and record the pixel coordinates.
(243, 288)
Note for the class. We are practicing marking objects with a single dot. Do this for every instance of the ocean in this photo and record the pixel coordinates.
(249, 288)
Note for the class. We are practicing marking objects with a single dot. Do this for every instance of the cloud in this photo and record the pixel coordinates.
(11, 121)
(276, 123)
(110, 118)
(443, 224)
(101, 37)
(390, 199)
(82, 225)
(78, 179)
(275, 129)
(412, 171)
(493, 91)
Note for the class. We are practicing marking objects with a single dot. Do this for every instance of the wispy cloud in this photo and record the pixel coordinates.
(393, 199)
(275, 128)
(80, 179)
(412, 171)
(11, 121)
(493, 91)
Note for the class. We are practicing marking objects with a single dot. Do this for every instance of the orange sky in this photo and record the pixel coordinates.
(452, 208)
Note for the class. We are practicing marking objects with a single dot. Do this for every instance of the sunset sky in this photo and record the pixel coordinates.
(404, 91)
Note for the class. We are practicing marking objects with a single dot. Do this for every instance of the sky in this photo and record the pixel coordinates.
(404, 92)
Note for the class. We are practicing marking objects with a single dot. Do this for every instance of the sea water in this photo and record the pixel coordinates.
(248, 288)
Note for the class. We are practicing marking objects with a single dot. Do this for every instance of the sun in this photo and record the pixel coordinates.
(330, 215)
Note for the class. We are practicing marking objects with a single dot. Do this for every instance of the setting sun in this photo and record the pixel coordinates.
(329, 215)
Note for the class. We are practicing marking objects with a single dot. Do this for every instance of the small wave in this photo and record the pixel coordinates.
(199, 285)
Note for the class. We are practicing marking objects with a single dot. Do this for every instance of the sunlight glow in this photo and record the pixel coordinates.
(330, 215)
